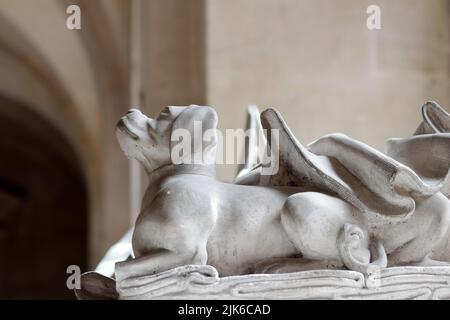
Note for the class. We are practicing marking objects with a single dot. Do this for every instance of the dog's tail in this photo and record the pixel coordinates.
(360, 254)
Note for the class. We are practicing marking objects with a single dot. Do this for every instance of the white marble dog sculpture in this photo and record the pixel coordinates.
(337, 203)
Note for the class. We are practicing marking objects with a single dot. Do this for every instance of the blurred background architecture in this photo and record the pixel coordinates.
(66, 190)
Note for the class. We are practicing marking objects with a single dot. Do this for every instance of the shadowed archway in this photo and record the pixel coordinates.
(43, 206)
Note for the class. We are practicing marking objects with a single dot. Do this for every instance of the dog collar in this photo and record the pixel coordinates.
(175, 169)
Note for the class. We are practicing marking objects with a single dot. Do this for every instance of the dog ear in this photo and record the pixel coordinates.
(197, 127)
(165, 119)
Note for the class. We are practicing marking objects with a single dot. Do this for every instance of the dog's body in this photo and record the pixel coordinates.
(219, 225)
(188, 217)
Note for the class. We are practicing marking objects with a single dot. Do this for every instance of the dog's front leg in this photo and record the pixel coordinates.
(154, 262)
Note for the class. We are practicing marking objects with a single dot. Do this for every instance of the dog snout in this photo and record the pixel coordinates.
(133, 117)
(133, 110)
(133, 121)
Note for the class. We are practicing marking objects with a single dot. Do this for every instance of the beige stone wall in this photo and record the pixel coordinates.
(317, 62)
(172, 54)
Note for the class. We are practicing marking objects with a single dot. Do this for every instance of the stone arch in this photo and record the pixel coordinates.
(44, 205)
(69, 81)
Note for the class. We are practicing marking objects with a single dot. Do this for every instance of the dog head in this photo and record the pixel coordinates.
(152, 141)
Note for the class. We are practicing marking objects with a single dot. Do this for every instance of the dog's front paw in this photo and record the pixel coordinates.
(120, 271)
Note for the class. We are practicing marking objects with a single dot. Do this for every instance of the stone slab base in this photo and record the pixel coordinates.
(203, 282)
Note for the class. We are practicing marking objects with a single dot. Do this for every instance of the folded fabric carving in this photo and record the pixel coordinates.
(427, 153)
(371, 181)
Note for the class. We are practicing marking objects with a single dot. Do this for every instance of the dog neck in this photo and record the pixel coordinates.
(176, 169)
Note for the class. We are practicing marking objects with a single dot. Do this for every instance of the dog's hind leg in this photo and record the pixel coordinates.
(330, 231)
(313, 221)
